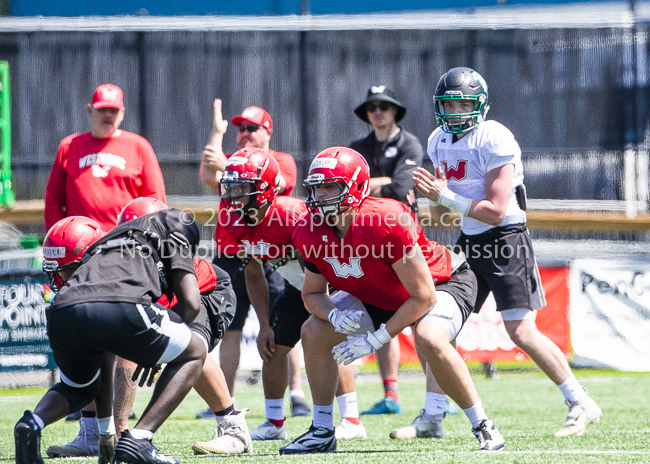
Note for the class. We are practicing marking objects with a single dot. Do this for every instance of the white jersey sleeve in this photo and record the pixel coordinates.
(467, 162)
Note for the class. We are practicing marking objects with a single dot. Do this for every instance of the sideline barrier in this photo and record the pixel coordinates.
(610, 314)
(484, 336)
(24, 296)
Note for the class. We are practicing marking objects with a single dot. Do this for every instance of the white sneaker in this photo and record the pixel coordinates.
(86, 444)
(231, 437)
(268, 431)
(489, 438)
(581, 413)
(423, 426)
(346, 430)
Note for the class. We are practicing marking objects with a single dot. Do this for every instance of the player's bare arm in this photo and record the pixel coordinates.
(282, 184)
(186, 289)
(376, 183)
(315, 295)
(213, 160)
(413, 272)
(498, 188)
(491, 210)
(258, 293)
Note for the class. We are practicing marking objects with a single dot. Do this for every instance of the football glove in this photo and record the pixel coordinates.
(359, 346)
(149, 375)
(346, 322)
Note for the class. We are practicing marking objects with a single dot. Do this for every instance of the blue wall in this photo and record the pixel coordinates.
(240, 7)
(153, 7)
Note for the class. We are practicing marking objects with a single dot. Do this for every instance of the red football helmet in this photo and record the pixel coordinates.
(345, 167)
(64, 245)
(253, 173)
(139, 207)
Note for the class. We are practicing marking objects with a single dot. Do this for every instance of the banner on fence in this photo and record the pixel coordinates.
(484, 337)
(610, 314)
(24, 345)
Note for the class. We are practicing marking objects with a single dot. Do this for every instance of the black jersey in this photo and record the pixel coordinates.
(119, 268)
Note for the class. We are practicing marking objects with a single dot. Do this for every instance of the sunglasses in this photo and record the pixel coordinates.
(371, 107)
(249, 127)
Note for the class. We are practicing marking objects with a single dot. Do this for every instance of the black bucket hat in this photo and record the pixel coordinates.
(381, 93)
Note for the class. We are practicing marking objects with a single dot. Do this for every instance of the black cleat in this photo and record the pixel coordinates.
(315, 440)
(27, 435)
(133, 451)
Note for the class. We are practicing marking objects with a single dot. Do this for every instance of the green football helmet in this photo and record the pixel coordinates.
(461, 84)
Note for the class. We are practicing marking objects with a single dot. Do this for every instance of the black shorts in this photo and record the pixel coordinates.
(288, 314)
(232, 265)
(461, 286)
(80, 334)
(504, 263)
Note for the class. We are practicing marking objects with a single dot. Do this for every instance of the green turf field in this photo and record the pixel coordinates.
(526, 407)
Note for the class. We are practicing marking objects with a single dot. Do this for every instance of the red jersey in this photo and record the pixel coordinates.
(382, 232)
(272, 237)
(96, 177)
(205, 274)
(225, 245)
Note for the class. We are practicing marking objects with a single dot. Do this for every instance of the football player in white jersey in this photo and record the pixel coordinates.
(479, 175)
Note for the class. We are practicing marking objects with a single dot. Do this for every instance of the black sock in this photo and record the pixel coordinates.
(226, 412)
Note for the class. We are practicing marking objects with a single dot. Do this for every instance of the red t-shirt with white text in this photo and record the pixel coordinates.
(96, 177)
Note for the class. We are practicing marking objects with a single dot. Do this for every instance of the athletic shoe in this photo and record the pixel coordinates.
(75, 416)
(205, 414)
(231, 437)
(386, 405)
(346, 430)
(106, 449)
(315, 440)
(268, 431)
(299, 407)
(451, 407)
(139, 451)
(581, 413)
(85, 444)
(27, 436)
(132, 415)
(423, 426)
(489, 438)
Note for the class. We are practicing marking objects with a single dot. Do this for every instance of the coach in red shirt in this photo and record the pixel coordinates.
(98, 172)
(255, 128)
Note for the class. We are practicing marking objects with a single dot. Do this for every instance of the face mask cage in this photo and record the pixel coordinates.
(327, 207)
(459, 123)
(233, 192)
(52, 269)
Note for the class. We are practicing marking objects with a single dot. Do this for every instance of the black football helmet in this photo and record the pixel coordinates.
(461, 84)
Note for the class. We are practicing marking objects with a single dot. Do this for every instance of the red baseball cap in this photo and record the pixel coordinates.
(254, 115)
(108, 96)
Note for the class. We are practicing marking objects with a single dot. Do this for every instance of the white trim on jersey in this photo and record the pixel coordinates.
(179, 334)
(72, 384)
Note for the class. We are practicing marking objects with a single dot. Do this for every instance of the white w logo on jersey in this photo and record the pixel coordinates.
(346, 270)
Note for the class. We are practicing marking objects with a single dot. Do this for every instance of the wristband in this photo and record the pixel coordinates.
(332, 315)
(433, 204)
(455, 202)
(379, 338)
